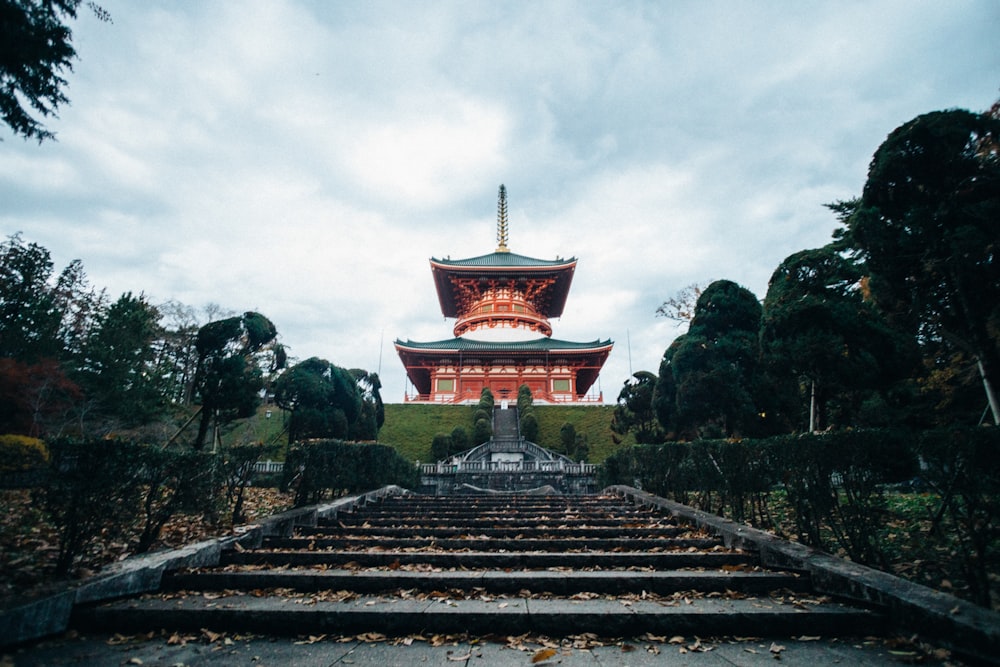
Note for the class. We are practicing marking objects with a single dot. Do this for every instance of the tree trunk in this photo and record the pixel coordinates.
(206, 419)
(990, 394)
(812, 409)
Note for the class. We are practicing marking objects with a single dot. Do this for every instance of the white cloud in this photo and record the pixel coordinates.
(305, 159)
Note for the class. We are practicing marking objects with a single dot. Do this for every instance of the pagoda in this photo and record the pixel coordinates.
(502, 303)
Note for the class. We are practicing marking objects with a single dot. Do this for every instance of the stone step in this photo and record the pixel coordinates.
(497, 522)
(312, 615)
(651, 545)
(526, 504)
(473, 560)
(562, 583)
(508, 532)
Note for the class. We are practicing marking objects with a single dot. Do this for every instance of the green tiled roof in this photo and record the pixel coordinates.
(536, 345)
(503, 259)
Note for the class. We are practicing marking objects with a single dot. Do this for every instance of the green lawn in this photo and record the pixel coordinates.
(411, 428)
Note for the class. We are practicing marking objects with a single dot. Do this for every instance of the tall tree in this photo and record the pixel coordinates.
(29, 313)
(118, 369)
(35, 51)
(819, 332)
(634, 412)
(707, 381)
(926, 224)
(372, 416)
(232, 356)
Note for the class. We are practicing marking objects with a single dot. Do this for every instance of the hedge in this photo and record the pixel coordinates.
(835, 485)
(313, 468)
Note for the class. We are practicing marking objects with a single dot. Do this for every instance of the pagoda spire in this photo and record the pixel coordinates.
(502, 220)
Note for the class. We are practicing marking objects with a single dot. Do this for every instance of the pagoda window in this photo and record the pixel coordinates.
(446, 385)
(560, 386)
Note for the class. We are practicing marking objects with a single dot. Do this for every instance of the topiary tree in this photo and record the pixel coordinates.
(926, 227)
(524, 398)
(526, 413)
(529, 426)
(567, 439)
(707, 381)
(324, 400)
(459, 440)
(232, 356)
(441, 446)
(820, 333)
(481, 431)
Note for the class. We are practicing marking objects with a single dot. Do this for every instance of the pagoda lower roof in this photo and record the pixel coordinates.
(535, 345)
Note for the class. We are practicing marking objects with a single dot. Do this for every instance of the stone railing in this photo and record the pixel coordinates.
(557, 466)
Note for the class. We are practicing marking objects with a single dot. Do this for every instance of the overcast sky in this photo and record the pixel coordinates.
(306, 159)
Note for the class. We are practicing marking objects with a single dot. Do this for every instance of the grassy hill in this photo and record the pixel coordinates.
(411, 428)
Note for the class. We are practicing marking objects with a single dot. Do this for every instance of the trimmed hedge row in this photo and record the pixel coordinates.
(835, 485)
(113, 490)
(313, 468)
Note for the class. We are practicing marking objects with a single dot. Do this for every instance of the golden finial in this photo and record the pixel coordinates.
(502, 220)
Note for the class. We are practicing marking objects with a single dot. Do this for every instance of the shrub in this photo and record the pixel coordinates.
(19, 453)
(92, 490)
(834, 481)
(960, 465)
(174, 481)
(441, 446)
(481, 432)
(529, 425)
(100, 489)
(459, 440)
(237, 465)
(313, 468)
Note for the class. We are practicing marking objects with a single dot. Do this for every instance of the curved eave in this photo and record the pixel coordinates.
(503, 260)
(490, 269)
(416, 355)
(463, 345)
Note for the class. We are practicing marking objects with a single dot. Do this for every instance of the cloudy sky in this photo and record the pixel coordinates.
(306, 158)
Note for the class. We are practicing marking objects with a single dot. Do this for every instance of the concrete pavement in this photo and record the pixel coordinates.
(209, 649)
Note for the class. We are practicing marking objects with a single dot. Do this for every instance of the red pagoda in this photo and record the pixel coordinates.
(497, 300)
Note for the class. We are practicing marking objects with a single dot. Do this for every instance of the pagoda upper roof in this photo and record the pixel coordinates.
(506, 266)
(505, 261)
(534, 345)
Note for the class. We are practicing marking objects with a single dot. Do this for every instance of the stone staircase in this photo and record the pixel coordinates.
(489, 565)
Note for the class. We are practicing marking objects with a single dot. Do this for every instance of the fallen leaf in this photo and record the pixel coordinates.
(542, 655)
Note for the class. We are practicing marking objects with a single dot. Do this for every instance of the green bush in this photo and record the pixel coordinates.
(960, 465)
(441, 446)
(529, 425)
(104, 489)
(313, 468)
(174, 481)
(19, 453)
(237, 468)
(834, 481)
(92, 490)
